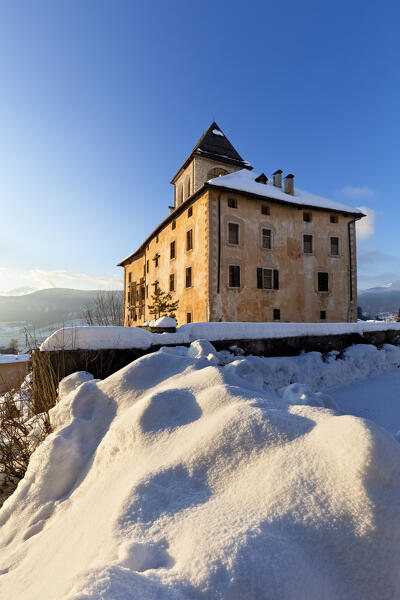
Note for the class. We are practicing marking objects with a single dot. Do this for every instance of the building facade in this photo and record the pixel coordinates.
(237, 246)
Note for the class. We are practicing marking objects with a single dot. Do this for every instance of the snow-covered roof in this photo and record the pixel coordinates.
(244, 181)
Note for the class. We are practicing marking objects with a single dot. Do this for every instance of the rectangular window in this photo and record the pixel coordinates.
(129, 297)
(232, 203)
(189, 239)
(137, 295)
(334, 219)
(147, 291)
(322, 315)
(307, 244)
(267, 279)
(130, 277)
(156, 239)
(190, 211)
(234, 276)
(266, 238)
(334, 246)
(156, 259)
(172, 282)
(307, 217)
(188, 317)
(188, 277)
(233, 233)
(265, 209)
(323, 279)
(173, 224)
(147, 266)
(172, 250)
(142, 293)
(277, 314)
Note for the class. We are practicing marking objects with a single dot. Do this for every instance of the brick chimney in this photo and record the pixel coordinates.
(289, 184)
(277, 178)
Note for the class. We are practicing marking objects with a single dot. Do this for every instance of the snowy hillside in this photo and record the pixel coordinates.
(192, 474)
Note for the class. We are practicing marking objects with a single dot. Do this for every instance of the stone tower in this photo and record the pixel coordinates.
(212, 156)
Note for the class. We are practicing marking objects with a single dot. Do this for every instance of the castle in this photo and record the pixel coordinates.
(239, 246)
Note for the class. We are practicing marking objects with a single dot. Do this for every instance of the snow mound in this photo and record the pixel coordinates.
(182, 477)
(163, 322)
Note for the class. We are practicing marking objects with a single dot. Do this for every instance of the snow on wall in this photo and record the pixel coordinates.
(182, 477)
(95, 338)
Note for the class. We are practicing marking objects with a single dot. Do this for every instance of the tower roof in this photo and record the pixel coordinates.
(215, 145)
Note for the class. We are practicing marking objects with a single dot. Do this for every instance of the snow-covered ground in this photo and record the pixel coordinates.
(192, 474)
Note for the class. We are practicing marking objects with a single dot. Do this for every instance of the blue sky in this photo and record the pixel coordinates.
(102, 101)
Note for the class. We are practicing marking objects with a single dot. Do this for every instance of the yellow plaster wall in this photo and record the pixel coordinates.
(195, 299)
(297, 297)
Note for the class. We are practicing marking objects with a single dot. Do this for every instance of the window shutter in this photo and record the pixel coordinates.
(259, 278)
(276, 279)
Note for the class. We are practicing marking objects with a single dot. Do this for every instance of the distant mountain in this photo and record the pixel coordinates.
(384, 299)
(44, 310)
(21, 291)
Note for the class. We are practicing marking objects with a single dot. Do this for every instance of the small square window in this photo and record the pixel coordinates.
(172, 250)
(323, 279)
(172, 282)
(173, 224)
(233, 233)
(188, 317)
(190, 211)
(265, 210)
(188, 277)
(307, 244)
(277, 314)
(322, 315)
(232, 203)
(334, 219)
(234, 276)
(189, 239)
(307, 217)
(334, 246)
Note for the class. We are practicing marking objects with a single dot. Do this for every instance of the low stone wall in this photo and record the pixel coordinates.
(102, 363)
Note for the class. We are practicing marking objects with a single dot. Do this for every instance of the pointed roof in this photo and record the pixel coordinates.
(215, 145)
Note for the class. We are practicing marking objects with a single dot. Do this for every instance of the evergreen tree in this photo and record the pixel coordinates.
(162, 304)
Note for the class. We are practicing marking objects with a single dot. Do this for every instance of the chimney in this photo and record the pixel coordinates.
(289, 184)
(278, 178)
(171, 209)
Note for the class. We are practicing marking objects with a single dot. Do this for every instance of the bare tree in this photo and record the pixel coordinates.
(105, 309)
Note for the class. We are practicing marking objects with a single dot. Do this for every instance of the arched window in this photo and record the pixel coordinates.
(216, 172)
(180, 194)
(187, 183)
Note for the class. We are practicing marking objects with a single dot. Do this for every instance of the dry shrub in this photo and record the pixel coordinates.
(21, 431)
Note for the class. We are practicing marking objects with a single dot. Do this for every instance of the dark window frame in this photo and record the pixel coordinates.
(307, 217)
(188, 277)
(334, 237)
(172, 250)
(229, 233)
(234, 276)
(232, 203)
(265, 236)
(189, 240)
(276, 314)
(306, 246)
(172, 282)
(261, 277)
(323, 281)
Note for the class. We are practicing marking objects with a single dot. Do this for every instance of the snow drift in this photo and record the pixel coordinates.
(181, 477)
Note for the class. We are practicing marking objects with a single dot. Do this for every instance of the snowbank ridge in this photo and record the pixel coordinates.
(185, 476)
